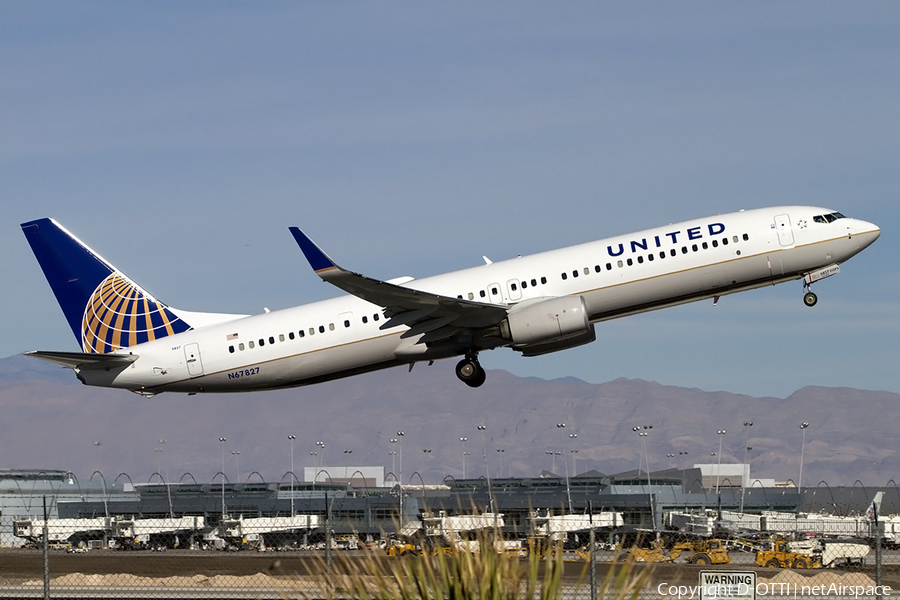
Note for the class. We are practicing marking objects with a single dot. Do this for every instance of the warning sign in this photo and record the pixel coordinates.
(733, 585)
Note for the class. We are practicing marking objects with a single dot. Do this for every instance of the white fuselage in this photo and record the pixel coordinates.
(625, 275)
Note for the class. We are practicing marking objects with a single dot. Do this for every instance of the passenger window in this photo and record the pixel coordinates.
(375, 316)
(524, 284)
(564, 276)
(724, 241)
(705, 246)
(482, 294)
(684, 250)
(271, 339)
(746, 237)
(513, 287)
(735, 239)
(281, 337)
(672, 252)
(575, 273)
(543, 280)
(331, 327)
(587, 271)
(231, 349)
(640, 259)
(365, 319)
(630, 262)
(262, 342)
(346, 323)
(291, 334)
(694, 247)
(495, 292)
(608, 267)
(312, 331)
(301, 333)
(650, 257)
(715, 243)
(662, 254)
(241, 346)
(619, 262)
(597, 268)
(459, 296)
(533, 283)
(251, 345)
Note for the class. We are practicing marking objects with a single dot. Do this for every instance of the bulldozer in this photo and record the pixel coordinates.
(781, 555)
(698, 552)
(702, 552)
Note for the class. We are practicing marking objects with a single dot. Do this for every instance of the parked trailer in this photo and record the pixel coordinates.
(60, 530)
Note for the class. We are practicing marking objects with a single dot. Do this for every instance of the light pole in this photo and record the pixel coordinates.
(400, 435)
(464, 455)
(720, 433)
(803, 427)
(553, 454)
(745, 475)
(237, 469)
(500, 452)
(393, 454)
(321, 456)
(744, 483)
(643, 431)
(573, 437)
(487, 474)
(292, 438)
(566, 469)
(222, 440)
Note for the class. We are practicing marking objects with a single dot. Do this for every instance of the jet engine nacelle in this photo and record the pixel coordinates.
(542, 326)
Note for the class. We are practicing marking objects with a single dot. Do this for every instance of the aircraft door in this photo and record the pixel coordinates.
(192, 359)
(495, 293)
(783, 227)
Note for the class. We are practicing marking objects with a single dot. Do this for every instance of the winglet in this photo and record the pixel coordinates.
(318, 260)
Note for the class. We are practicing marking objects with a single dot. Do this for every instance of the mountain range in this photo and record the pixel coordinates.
(49, 420)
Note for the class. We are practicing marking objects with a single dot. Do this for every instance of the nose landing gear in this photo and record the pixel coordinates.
(809, 298)
(470, 371)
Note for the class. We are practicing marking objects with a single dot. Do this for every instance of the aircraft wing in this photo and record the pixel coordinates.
(436, 316)
(83, 361)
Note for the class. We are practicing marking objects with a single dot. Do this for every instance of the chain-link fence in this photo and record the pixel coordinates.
(303, 557)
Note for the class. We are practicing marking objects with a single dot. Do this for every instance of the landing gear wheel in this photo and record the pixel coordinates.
(810, 299)
(470, 372)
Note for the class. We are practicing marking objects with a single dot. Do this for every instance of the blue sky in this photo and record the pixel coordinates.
(180, 140)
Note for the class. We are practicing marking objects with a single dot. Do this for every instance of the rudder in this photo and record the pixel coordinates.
(105, 309)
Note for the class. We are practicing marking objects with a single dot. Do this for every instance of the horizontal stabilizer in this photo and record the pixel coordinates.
(82, 361)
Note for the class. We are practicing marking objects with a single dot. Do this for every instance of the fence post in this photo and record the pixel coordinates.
(46, 551)
(592, 540)
(879, 533)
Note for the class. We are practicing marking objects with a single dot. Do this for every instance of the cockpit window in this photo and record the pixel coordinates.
(828, 218)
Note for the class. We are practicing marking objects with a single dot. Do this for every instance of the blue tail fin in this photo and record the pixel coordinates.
(105, 309)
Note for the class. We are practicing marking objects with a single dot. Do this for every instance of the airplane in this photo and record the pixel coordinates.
(535, 304)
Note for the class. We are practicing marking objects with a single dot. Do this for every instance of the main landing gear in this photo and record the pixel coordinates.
(809, 298)
(470, 372)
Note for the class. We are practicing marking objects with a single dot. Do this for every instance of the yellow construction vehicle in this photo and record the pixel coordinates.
(702, 552)
(784, 554)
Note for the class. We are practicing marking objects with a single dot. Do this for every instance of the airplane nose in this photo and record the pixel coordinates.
(869, 232)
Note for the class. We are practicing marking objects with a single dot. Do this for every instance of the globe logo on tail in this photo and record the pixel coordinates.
(119, 314)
